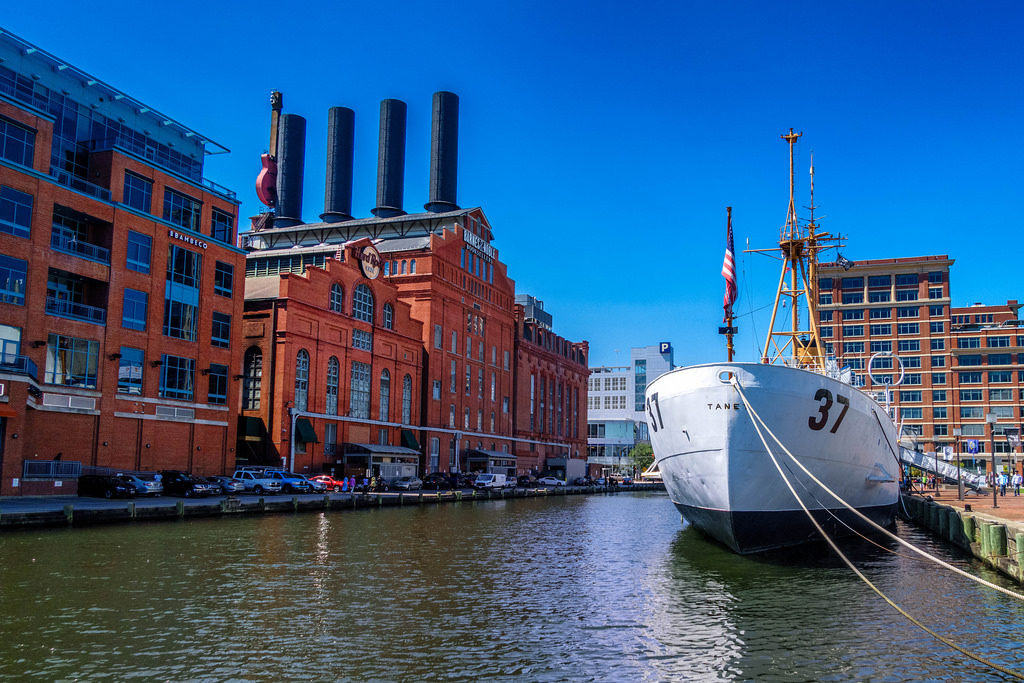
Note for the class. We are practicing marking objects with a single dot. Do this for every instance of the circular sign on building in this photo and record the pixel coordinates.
(370, 261)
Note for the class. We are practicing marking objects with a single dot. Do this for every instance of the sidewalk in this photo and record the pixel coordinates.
(1011, 507)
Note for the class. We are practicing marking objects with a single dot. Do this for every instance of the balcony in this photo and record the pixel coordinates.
(19, 365)
(76, 311)
(67, 241)
(75, 183)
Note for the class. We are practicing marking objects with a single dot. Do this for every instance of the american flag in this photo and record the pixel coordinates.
(729, 273)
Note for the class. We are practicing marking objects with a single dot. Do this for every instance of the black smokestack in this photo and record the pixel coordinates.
(338, 186)
(391, 159)
(444, 152)
(291, 152)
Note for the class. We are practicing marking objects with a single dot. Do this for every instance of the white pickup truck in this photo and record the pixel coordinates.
(257, 482)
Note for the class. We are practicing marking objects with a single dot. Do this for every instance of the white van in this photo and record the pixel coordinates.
(488, 480)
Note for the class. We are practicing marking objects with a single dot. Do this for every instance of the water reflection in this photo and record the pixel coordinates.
(567, 588)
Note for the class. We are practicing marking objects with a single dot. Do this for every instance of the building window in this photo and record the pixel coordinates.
(854, 314)
(881, 330)
(129, 371)
(221, 335)
(182, 210)
(253, 379)
(384, 400)
(177, 377)
(181, 298)
(435, 453)
(469, 379)
(881, 313)
(302, 380)
(362, 303)
(937, 327)
(337, 303)
(1000, 359)
(912, 413)
(935, 311)
(222, 226)
(133, 313)
(454, 376)
(879, 281)
(906, 295)
(853, 297)
(223, 279)
(848, 331)
(938, 344)
(436, 390)
(333, 376)
(908, 311)
(387, 316)
(935, 292)
(998, 342)
(908, 328)
(13, 273)
(878, 297)
(138, 192)
(970, 378)
(825, 298)
(218, 388)
(359, 397)
(407, 399)
(938, 378)
(17, 143)
(940, 413)
(438, 336)
(140, 248)
(938, 361)
(968, 343)
(939, 396)
(71, 361)
(361, 339)
(1000, 394)
(455, 341)
(1000, 377)
(15, 212)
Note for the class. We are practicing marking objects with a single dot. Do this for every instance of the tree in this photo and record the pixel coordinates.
(641, 456)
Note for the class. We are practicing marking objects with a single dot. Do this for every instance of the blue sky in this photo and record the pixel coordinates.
(604, 142)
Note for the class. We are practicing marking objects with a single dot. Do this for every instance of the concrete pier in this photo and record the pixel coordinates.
(993, 534)
(53, 511)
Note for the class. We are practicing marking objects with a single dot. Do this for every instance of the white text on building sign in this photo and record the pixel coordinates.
(185, 238)
(478, 243)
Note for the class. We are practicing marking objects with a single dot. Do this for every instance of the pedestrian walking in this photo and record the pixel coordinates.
(1016, 481)
(1002, 483)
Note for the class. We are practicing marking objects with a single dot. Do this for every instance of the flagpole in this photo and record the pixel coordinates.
(728, 318)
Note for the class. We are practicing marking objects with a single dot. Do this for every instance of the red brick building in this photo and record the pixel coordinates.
(121, 283)
(550, 395)
(343, 349)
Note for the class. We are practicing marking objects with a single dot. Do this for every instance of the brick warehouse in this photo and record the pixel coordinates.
(121, 283)
(441, 263)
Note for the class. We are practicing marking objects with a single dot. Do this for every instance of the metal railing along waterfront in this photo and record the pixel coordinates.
(51, 469)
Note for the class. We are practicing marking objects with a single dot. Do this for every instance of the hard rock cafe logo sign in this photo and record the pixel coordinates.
(370, 261)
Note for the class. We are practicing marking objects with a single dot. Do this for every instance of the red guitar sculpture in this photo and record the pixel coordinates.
(266, 181)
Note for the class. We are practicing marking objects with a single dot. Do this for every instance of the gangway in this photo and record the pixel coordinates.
(946, 470)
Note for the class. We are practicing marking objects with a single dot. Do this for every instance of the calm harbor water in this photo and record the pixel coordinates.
(567, 588)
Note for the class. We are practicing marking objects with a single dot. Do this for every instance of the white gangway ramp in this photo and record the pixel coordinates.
(943, 469)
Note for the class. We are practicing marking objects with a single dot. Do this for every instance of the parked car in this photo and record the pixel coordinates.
(329, 482)
(253, 480)
(290, 482)
(489, 480)
(143, 486)
(227, 484)
(178, 483)
(465, 481)
(600, 481)
(315, 485)
(582, 481)
(104, 486)
(437, 481)
(407, 484)
(511, 482)
(525, 480)
(550, 481)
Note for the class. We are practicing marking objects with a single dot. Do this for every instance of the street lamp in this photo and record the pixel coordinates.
(959, 464)
(991, 419)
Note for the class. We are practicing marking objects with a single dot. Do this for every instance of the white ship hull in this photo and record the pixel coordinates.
(719, 475)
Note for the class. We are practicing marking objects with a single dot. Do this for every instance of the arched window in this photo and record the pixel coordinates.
(403, 267)
(387, 268)
(385, 394)
(407, 400)
(388, 315)
(253, 370)
(362, 304)
(412, 266)
(337, 298)
(333, 371)
(301, 380)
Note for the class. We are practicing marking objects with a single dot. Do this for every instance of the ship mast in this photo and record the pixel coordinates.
(797, 346)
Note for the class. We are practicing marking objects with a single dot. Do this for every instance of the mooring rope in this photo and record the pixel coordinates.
(828, 539)
(861, 515)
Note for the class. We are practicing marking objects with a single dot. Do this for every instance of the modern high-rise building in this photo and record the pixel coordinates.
(120, 283)
(616, 420)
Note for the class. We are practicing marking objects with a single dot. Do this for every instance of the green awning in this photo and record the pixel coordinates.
(252, 428)
(304, 431)
(409, 440)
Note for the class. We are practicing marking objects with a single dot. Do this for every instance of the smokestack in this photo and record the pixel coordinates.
(291, 154)
(391, 159)
(444, 152)
(338, 186)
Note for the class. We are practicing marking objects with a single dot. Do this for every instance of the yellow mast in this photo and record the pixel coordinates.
(799, 248)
